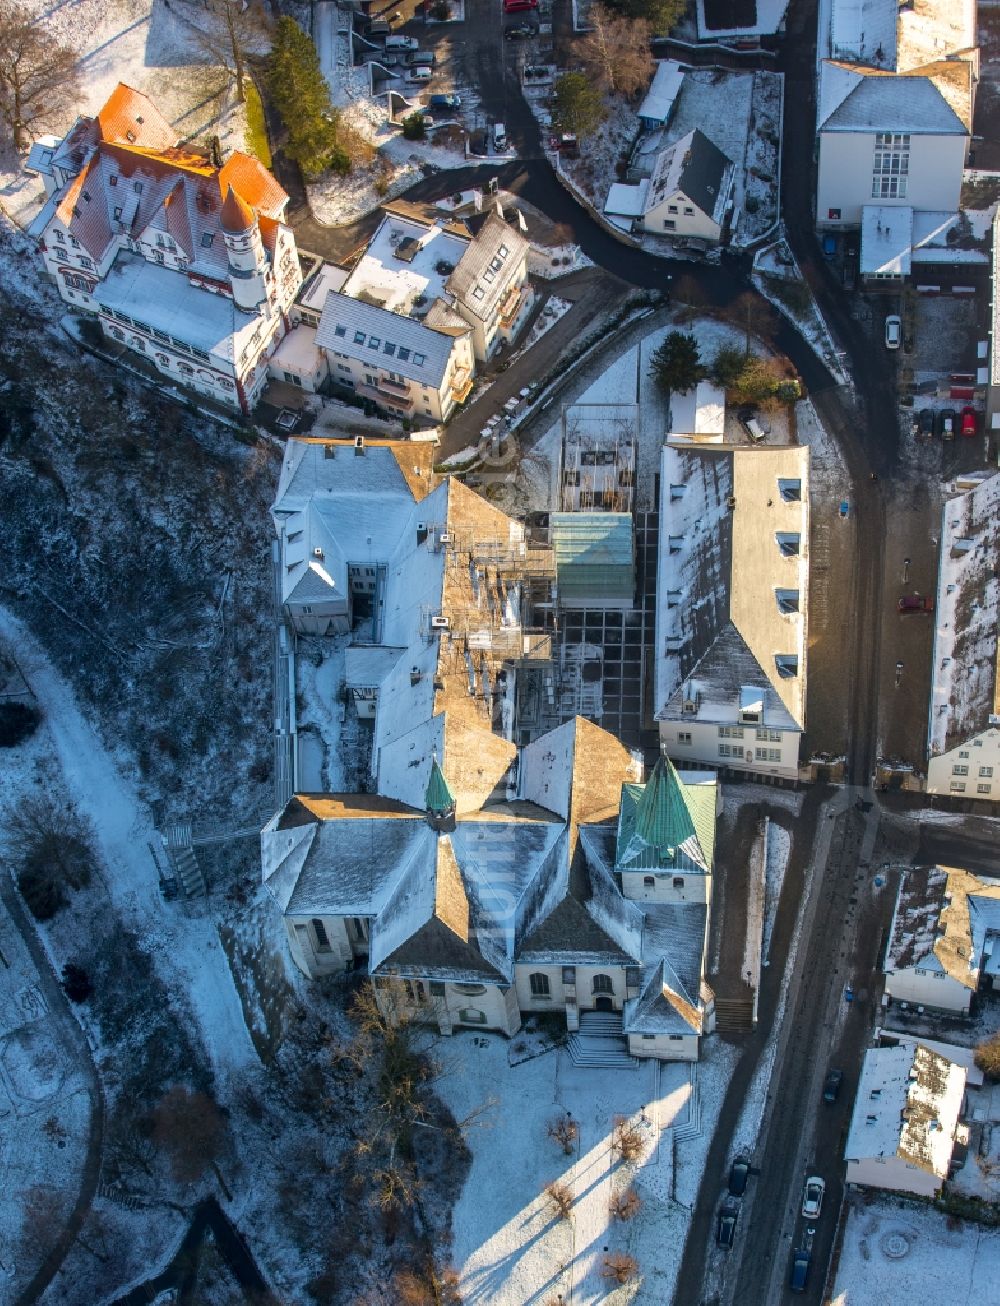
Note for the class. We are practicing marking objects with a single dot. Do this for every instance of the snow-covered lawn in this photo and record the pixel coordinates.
(150, 47)
(898, 1254)
(776, 275)
(509, 1245)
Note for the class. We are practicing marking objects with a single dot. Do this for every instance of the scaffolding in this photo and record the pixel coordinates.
(597, 457)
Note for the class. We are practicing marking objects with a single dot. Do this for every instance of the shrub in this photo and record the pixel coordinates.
(414, 128)
(620, 1267)
(18, 722)
(627, 1139)
(76, 983)
(625, 1205)
(988, 1057)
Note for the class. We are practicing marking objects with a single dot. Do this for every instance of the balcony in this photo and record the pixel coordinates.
(400, 403)
(461, 384)
(397, 387)
(510, 306)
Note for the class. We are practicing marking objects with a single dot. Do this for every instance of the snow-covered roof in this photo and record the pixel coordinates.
(908, 1105)
(936, 101)
(627, 201)
(699, 412)
(162, 299)
(732, 583)
(409, 258)
(965, 686)
(663, 91)
(298, 351)
(695, 167)
(327, 277)
(491, 264)
(385, 339)
(942, 921)
(886, 240)
(864, 30)
(934, 29)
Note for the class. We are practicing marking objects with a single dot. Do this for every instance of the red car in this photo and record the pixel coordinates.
(968, 421)
(915, 603)
(518, 6)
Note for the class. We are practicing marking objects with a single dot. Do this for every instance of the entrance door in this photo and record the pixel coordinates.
(603, 1004)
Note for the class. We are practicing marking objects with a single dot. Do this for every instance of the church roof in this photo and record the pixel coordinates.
(438, 796)
(664, 824)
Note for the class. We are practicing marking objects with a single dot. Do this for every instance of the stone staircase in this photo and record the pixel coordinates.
(733, 1015)
(601, 1043)
(178, 845)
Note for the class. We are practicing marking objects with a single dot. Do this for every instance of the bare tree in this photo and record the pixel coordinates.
(38, 76)
(620, 1267)
(561, 1197)
(427, 1286)
(565, 1131)
(627, 1139)
(52, 847)
(189, 1128)
(227, 30)
(626, 1204)
(616, 51)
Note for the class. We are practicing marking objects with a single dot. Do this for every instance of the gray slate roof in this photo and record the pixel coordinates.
(694, 165)
(348, 326)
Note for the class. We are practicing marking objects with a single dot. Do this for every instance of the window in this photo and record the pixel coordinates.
(503, 251)
(388, 349)
(957, 786)
(728, 750)
(984, 788)
(790, 490)
(603, 984)
(648, 1038)
(788, 544)
(787, 600)
(767, 754)
(669, 224)
(730, 732)
(112, 181)
(960, 769)
(689, 211)
(986, 770)
(478, 293)
(402, 354)
(671, 208)
(539, 984)
(678, 881)
(963, 752)
(419, 360)
(206, 239)
(489, 275)
(359, 337)
(676, 1038)
(137, 187)
(472, 1016)
(684, 736)
(771, 736)
(118, 213)
(649, 881)
(59, 235)
(340, 331)
(322, 938)
(569, 974)
(374, 342)
(890, 165)
(787, 665)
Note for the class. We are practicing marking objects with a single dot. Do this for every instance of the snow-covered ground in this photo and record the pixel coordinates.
(778, 848)
(774, 268)
(899, 1254)
(509, 1246)
(152, 48)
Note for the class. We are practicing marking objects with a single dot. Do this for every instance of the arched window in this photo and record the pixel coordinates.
(472, 1016)
(539, 985)
(649, 881)
(603, 984)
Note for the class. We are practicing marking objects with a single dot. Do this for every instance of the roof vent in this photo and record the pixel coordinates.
(414, 675)
(329, 451)
(421, 532)
(317, 552)
(359, 444)
(439, 623)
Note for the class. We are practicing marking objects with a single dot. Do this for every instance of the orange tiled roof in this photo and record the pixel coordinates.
(128, 114)
(253, 183)
(237, 215)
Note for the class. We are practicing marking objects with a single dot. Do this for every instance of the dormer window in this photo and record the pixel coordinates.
(130, 136)
(787, 665)
(340, 331)
(790, 490)
(478, 293)
(112, 181)
(137, 187)
(206, 239)
(675, 543)
(787, 600)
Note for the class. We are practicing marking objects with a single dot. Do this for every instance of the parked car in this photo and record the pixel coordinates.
(518, 6)
(499, 138)
(479, 144)
(968, 421)
(925, 420)
(946, 423)
(421, 59)
(725, 1224)
(519, 32)
(445, 102)
(402, 43)
(812, 1199)
(739, 1172)
(845, 508)
(893, 331)
(915, 603)
(799, 1276)
(831, 1085)
(420, 74)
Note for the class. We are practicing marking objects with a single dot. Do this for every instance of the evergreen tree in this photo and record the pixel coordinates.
(302, 97)
(577, 105)
(676, 365)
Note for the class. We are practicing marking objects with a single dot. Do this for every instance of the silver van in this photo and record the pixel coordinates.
(499, 138)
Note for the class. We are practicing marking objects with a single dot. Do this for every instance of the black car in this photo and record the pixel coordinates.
(518, 33)
(831, 1086)
(738, 1174)
(725, 1225)
(478, 144)
(925, 420)
(799, 1276)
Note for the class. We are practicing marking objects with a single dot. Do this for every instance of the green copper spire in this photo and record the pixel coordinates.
(438, 796)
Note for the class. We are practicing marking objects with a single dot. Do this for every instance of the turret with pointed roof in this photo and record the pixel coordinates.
(439, 801)
(665, 825)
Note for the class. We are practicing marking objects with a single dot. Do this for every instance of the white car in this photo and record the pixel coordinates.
(893, 331)
(813, 1199)
(420, 74)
